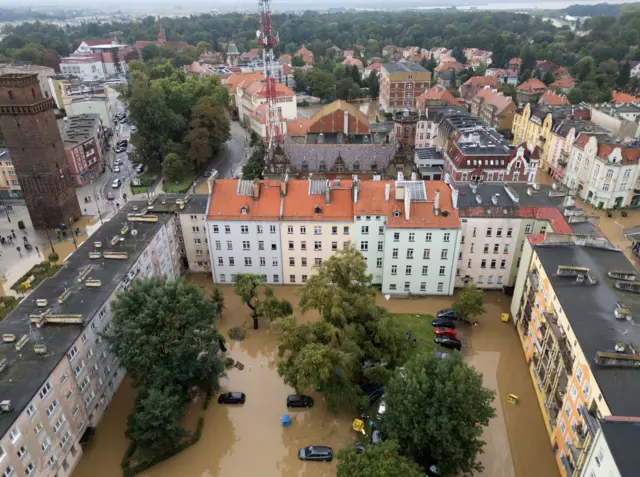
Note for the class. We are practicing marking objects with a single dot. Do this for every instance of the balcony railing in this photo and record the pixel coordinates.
(533, 279)
(562, 162)
(561, 339)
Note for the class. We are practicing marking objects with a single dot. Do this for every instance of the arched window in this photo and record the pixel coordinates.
(318, 209)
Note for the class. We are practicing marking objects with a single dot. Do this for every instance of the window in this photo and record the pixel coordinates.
(503, 264)
(195, 229)
(493, 263)
(394, 269)
(474, 232)
(45, 445)
(52, 407)
(14, 434)
(52, 461)
(246, 245)
(585, 390)
(496, 248)
(59, 423)
(381, 230)
(215, 229)
(31, 410)
(379, 263)
(442, 271)
(304, 279)
(527, 229)
(483, 264)
(8, 471)
(274, 246)
(427, 237)
(317, 245)
(291, 245)
(227, 229)
(263, 261)
(232, 262)
(599, 457)
(471, 251)
(317, 230)
(345, 231)
(394, 253)
(506, 249)
(573, 392)
(303, 230)
(489, 232)
(334, 230)
(303, 245)
(292, 278)
(579, 375)
(500, 280)
(490, 279)
(412, 237)
(79, 368)
(396, 236)
(259, 229)
(543, 229)
(84, 338)
(274, 262)
(446, 237)
(440, 287)
(71, 354)
(407, 286)
(364, 229)
(380, 246)
(423, 286)
(409, 253)
(486, 248)
(392, 286)
(425, 270)
(444, 254)
(407, 270)
(218, 245)
(38, 428)
(563, 426)
(318, 261)
(272, 229)
(499, 233)
(229, 245)
(247, 261)
(509, 232)
(220, 261)
(480, 278)
(290, 229)
(30, 469)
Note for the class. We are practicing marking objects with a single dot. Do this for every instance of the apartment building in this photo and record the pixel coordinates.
(85, 143)
(401, 83)
(58, 373)
(530, 91)
(494, 108)
(427, 131)
(77, 98)
(252, 93)
(317, 221)
(9, 185)
(422, 236)
(243, 228)
(620, 120)
(429, 163)
(470, 88)
(573, 304)
(604, 172)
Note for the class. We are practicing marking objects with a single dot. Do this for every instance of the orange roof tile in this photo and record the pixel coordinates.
(437, 92)
(492, 96)
(298, 127)
(551, 98)
(581, 141)
(618, 97)
(374, 66)
(371, 200)
(482, 81)
(352, 62)
(564, 82)
(258, 88)
(234, 79)
(532, 84)
(226, 204)
(629, 155)
(299, 205)
(449, 65)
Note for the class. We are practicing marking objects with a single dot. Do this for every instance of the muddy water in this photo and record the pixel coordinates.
(249, 440)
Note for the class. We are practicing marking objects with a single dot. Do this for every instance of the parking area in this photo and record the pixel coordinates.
(250, 439)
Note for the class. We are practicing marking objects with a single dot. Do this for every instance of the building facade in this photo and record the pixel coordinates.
(43, 72)
(9, 184)
(30, 130)
(401, 83)
(85, 143)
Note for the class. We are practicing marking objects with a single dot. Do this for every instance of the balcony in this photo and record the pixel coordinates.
(560, 338)
(562, 162)
(533, 280)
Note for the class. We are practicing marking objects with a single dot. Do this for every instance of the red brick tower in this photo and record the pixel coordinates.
(31, 132)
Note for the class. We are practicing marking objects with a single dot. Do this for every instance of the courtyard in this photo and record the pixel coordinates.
(250, 440)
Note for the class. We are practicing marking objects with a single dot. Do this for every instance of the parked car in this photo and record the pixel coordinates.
(116, 168)
(447, 342)
(447, 313)
(317, 453)
(123, 119)
(140, 168)
(442, 331)
(382, 408)
(116, 183)
(120, 149)
(118, 161)
(133, 128)
(294, 400)
(110, 196)
(123, 142)
(376, 437)
(372, 390)
(232, 398)
(446, 322)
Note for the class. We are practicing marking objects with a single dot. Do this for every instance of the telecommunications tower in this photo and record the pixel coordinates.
(267, 39)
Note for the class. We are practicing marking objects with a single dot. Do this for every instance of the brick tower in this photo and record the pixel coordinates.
(31, 132)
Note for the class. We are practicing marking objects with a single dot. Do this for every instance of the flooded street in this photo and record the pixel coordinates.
(250, 440)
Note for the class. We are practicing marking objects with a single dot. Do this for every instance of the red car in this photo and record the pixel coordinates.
(450, 332)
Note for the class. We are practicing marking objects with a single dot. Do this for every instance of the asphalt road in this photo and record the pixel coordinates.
(233, 156)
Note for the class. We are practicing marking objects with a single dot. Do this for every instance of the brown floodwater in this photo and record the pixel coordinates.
(250, 440)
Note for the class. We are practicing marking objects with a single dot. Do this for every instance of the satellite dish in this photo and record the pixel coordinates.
(134, 232)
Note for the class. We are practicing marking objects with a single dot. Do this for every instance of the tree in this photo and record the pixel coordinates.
(53, 257)
(624, 75)
(297, 60)
(527, 63)
(254, 167)
(436, 410)
(162, 332)
(299, 78)
(174, 167)
(470, 303)
(217, 298)
(210, 129)
(154, 423)
(431, 64)
(51, 59)
(548, 78)
(374, 84)
(321, 83)
(380, 460)
(347, 89)
(260, 298)
(149, 52)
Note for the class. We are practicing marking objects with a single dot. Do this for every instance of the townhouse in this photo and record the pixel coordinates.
(530, 91)
(252, 93)
(604, 172)
(470, 88)
(85, 143)
(573, 305)
(59, 375)
(428, 133)
(494, 108)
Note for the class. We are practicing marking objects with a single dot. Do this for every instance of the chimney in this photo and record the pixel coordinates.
(436, 203)
(356, 187)
(387, 192)
(413, 176)
(327, 192)
(283, 185)
(407, 205)
(454, 197)
(494, 199)
(256, 189)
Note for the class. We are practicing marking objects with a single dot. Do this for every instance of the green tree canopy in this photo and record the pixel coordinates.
(260, 298)
(174, 167)
(470, 303)
(380, 460)
(436, 409)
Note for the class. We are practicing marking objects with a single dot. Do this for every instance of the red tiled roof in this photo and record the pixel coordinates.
(449, 65)
(298, 127)
(352, 62)
(535, 239)
(104, 41)
(226, 203)
(515, 61)
(629, 155)
(258, 88)
(234, 80)
(374, 66)
(532, 85)
(482, 81)
(581, 141)
(619, 97)
(493, 97)
(299, 205)
(551, 98)
(437, 92)
(285, 58)
(564, 82)
(347, 52)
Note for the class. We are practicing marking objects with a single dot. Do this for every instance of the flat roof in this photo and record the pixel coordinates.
(79, 128)
(27, 372)
(404, 67)
(166, 203)
(426, 153)
(622, 438)
(590, 311)
(540, 198)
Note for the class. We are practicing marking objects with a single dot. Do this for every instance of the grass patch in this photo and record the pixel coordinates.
(421, 329)
(147, 178)
(40, 271)
(7, 304)
(182, 185)
(139, 189)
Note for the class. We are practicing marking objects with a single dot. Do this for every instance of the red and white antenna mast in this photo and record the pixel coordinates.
(267, 39)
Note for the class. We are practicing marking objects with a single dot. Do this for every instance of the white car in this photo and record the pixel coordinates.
(116, 169)
(133, 128)
(116, 183)
(118, 161)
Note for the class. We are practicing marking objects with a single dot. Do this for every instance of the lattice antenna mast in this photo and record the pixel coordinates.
(267, 39)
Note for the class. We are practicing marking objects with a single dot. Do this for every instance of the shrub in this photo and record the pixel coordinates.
(609, 213)
(21, 225)
(53, 257)
(237, 333)
(228, 362)
(624, 213)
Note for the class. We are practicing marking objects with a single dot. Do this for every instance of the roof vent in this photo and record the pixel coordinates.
(622, 312)
(4, 363)
(95, 255)
(93, 283)
(626, 275)
(64, 295)
(97, 244)
(619, 348)
(5, 406)
(478, 199)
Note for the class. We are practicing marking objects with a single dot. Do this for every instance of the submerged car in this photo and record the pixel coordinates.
(447, 313)
(294, 400)
(446, 322)
(450, 332)
(317, 453)
(232, 398)
(447, 342)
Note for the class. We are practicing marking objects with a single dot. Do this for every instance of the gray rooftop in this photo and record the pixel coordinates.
(590, 311)
(79, 128)
(467, 197)
(166, 203)
(364, 154)
(427, 153)
(403, 67)
(622, 438)
(27, 371)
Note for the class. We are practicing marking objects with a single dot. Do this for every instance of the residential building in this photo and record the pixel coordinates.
(375, 66)
(49, 195)
(514, 63)
(530, 91)
(431, 115)
(97, 60)
(572, 306)
(618, 97)
(61, 376)
(604, 172)
(9, 184)
(436, 95)
(553, 99)
(565, 84)
(401, 83)
(244, 230)
(410, 50)
(439, 52)
(161, 41)
(284, 58)
(621, 120)
(448, 78)
(43, 72)
(421, 236)
(470, 88)
(446, 65)
(481, 58)
(354, 62)
(429, 163)
(316, 221)
(85, 143)
(250, 94)
(76, 98)
(504, 76)
(234, 80)
(87, 67)
(390, 50)
(494, 108)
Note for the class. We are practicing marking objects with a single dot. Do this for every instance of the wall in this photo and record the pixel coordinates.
(93, 71)
(331, 235)
(195, 244)
(374, 236)
(421, 280)
(605, 464)
(9, 185)
(259, 234)
(426, 134)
